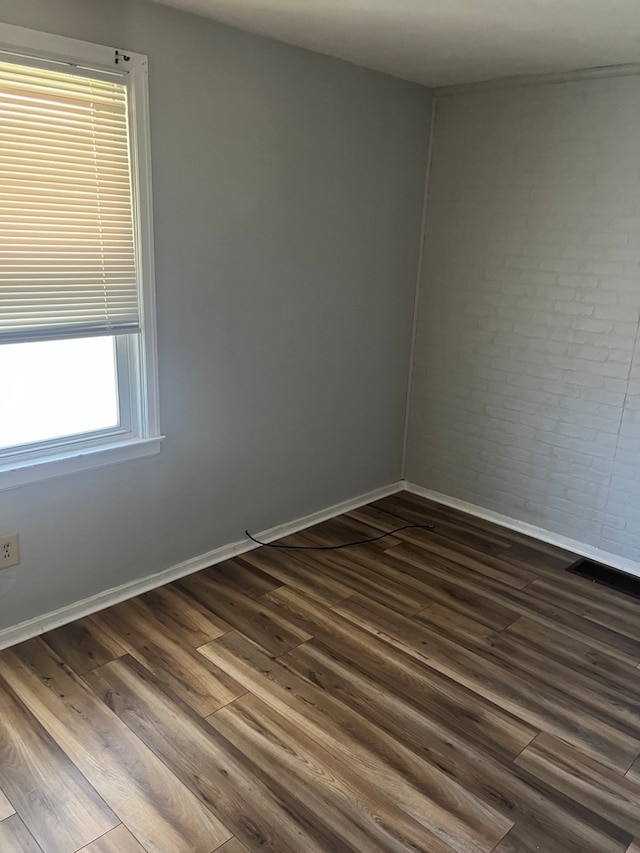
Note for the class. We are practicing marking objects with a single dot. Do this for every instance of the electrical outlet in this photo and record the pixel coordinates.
(9, 551)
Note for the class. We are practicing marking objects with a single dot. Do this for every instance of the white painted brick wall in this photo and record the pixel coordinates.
(526, 382)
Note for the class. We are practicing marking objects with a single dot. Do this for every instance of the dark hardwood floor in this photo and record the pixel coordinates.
(439, 690)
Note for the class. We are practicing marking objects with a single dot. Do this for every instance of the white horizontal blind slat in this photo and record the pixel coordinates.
(67, 250)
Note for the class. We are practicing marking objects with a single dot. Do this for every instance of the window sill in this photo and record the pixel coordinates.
(13, 474)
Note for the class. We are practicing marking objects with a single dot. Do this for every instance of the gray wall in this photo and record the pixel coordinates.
(287, 199)
(526, 390)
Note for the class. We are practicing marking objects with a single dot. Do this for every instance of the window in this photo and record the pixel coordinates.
(78, 378)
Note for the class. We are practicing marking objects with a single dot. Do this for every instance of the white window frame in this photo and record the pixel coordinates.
(139, 433)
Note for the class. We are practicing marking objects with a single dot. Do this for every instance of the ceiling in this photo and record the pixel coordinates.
(442, 42)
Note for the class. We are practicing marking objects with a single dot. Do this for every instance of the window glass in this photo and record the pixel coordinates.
(56, 389)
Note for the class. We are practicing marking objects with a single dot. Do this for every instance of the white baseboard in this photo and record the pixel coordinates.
(54, 619)
(631, 567)
(47, 621)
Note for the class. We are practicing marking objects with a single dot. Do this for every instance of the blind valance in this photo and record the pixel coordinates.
(67, 249)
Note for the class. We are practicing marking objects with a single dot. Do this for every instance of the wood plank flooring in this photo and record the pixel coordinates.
(446, 690)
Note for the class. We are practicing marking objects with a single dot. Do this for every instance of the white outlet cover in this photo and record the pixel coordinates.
(9, 550)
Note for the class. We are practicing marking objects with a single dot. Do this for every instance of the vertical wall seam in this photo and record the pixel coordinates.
(416, 303)
(615, 450)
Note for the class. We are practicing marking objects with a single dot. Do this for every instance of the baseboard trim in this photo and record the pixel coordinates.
(54, 619)
(69, 613)
(631, 567)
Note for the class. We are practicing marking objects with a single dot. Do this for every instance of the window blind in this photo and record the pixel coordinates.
(67, 250)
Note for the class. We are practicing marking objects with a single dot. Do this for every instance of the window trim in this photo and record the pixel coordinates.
(88, 452)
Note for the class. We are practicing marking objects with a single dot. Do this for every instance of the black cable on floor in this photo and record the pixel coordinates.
(337, 547)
